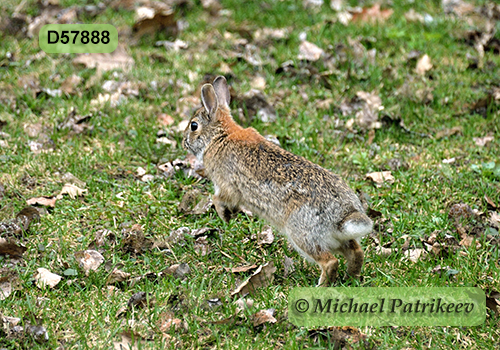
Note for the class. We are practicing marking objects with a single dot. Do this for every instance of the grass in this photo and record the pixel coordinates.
(81, 312)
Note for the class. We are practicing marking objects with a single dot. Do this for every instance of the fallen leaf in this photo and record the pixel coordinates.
(379, 178)
(9, 280)
(201, 246)
(460, 213)
(178, 270)
(367, 116)
(372, 14)
(456, 130)
(309, 51)
(44, 278)
(70, 83)
(76, 123)
(118, 59)
(129, 341)
(264, 316)
(493, 301)
(256, 104)
(89, 260)
(262, 277)
(245, 268)
(71, 190)
(155, 18)
(11, 248)
(166, 321)
(165, 119)
(117, 276)
(134, 241)
(483, 141)
(380, 250)
(414, 255)
(495, 219)
(341, 337)
(202, 207)
(490, 202)
(423, 65)
(266, 236)
(26, 216)
(414, 16)
(141, 300)
(289, 266)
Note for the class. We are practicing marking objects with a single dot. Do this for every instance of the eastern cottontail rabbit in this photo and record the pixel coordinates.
(313, 207)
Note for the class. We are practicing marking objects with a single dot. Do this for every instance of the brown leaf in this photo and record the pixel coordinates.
(26, 216)
(495, 219)
(456, 130)
(201, 246)
(245, 268)
(158, 17)
(141, 300)
(44, 278)
(342, 337)
(117, 276)
(490, 202)
(414, 16)
(256, 104)
(89, 260)
(70, 83)
(266, 236)
(178, 270)
(264, 316)
(118, 59)
(165, 119)
(309, 51)
(483, 141)
(493, 301)
(262, 277)
(129, 341)
(423, 65)
(9, 280)
(380, 178)
(134, 241)
(167, 320)
(11, 248)
(367, 116)
(71, 190)
(372, 14)
(415, 255)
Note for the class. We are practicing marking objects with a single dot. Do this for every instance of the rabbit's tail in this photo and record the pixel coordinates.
(356, 224)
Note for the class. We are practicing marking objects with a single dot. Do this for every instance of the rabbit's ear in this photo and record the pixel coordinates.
(222, 91)
(209, 99)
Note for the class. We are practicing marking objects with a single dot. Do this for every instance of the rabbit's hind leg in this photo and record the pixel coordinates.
(354, 255)
(329, 266)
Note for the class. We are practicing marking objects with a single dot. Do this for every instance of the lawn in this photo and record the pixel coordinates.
(123, 215)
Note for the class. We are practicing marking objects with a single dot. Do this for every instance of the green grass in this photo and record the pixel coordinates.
(81, 312)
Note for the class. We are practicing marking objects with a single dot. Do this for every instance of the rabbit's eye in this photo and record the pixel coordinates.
(194, 126)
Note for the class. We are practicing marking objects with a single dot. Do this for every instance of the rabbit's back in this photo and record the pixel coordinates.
(275, 184)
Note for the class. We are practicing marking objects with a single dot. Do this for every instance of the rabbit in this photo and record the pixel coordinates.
(317, 211)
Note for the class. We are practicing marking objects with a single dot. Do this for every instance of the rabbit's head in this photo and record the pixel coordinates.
(205, 125)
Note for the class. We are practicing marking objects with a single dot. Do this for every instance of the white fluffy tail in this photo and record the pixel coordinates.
(356, 225)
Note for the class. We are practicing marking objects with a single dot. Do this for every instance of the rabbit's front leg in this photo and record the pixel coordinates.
(222, 209)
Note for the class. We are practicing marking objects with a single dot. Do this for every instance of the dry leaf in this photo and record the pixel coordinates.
(141, 300)
(70, 83)
(309, 51)
(414, 16)
(256, 104)
(165, 119)
(118, 59)
(262, 277)
(380, 250)
(11, 248)
(44, 278)
(495, 219)
(415, 254)
(482, 141)
(178, 270)
(117, 276)
(266, 236)
(129, 342)
(158, 17)
(367, 116)
(89, 260)
(240, 269)
(201, 246)
(372, 14)
(9, 279)
(423, 65)
(264, 316)
(71, 190)
(167, 320)
(379, 178)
